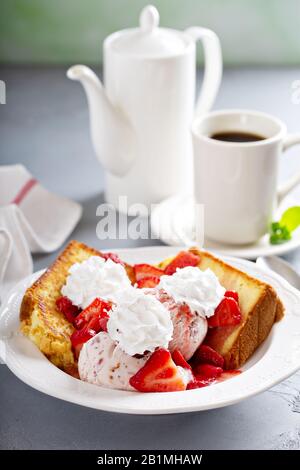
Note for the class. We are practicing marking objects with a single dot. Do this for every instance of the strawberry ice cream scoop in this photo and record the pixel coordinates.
(189, 327)
(102, 362)
(191, 296)
(189, 331)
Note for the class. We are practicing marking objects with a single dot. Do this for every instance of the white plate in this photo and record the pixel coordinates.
(172, 221)
(274, 361)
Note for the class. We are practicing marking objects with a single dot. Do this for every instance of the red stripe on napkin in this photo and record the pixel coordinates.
(24, 191)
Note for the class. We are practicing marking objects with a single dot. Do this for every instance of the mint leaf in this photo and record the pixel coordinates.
(279, 233)
(291, 218)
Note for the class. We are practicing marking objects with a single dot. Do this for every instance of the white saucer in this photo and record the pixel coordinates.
(172, 221)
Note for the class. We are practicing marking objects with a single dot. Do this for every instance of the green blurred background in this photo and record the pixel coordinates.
(256, 32)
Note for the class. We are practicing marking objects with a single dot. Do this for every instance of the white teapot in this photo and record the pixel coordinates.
(140, 121)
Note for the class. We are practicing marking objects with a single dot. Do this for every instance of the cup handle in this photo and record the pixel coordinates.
(212, 70)
(288, 186)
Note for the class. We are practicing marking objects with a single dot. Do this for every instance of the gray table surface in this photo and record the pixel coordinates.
(44, 125)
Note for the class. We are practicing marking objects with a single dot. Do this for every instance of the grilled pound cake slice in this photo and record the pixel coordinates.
(40, 319)
(260, 307)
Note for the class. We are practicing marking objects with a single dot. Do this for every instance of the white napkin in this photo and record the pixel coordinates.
(31, 220)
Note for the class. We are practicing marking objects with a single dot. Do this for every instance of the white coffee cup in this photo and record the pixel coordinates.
(238, 181)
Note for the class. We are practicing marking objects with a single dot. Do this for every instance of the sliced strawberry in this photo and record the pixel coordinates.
(159, 374)
(204, 375)
(227, 313)
(207, 371)
(146, 270)
(103, 322)
(113, 256)
(95, 316)
(207, 355)
(199, 383)
(66, 307)
(148, 282)
(183, 259)
(79, 337)
(98, 323)
(179, 360)
(232, 294)
(228, 374)
(89, 322)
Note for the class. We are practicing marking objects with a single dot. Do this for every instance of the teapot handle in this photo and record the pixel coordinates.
(212, 70)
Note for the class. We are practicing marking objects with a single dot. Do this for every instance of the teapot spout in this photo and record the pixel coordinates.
(112, 134)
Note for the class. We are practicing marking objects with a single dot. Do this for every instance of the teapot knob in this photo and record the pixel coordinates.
(149, 19)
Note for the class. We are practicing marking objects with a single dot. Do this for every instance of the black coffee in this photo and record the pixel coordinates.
(236, 136)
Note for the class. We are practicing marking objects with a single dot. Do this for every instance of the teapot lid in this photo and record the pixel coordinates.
(149, 40)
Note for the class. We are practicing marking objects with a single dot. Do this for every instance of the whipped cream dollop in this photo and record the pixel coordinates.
(139, 322)
(200, 290)
(93, 278)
